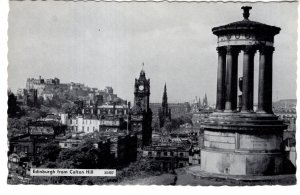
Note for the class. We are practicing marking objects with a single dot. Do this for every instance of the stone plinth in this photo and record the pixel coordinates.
(194, 176)
(243, 144)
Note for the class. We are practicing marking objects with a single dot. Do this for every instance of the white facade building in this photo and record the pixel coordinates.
(87, 125)
(64, 118)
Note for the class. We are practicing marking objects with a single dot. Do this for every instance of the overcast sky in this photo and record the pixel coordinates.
(104, 44)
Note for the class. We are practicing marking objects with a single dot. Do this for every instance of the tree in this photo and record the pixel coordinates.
(169, 126)
(155, 125)
(176, 122)
(13, 108)
(16, 126)
(34, 114)
(84, 156)
(44, 110)
(50, 152)
(143, 166)
(69, 107)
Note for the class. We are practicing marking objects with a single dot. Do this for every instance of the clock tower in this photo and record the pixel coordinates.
(142, 92)
(141, 114)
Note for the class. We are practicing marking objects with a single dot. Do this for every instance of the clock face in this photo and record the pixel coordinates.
(141, 87)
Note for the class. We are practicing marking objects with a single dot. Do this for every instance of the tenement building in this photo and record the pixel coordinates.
(141, 114)
(39, 134)
(169, 157)
(244, 142)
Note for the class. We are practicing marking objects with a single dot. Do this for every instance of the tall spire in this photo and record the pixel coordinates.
(205, 102)
(165, 99)
(164, 112)
(199, 102)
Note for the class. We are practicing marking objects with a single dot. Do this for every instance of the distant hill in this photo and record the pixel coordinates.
(285, 103)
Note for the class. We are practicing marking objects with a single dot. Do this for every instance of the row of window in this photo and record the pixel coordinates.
(83, 121)
(25, 149)
(109, 111)
(109, 122)
(101, 122)
(71, 145)
(159, 153)
(75, 128)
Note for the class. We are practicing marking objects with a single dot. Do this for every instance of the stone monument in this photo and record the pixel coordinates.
(243, 141)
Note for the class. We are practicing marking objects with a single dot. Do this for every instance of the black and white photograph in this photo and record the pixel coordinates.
(151, 93)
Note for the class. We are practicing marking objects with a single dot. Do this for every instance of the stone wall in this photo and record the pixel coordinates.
(242, 153)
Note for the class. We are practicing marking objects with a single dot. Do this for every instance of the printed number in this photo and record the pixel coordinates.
(108, 172)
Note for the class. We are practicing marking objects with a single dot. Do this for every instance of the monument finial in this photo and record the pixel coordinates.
(246, 13)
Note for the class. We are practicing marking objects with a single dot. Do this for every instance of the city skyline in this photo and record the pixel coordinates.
(110, 51)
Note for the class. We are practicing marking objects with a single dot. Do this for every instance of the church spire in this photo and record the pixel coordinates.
(165, 112)
(205, 102)
(165, 99)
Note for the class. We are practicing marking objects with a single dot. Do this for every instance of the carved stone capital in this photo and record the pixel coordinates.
(266, 50)
(221, 50)
(249, 49)
(233, 50)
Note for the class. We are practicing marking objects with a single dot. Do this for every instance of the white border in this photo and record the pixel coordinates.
(64, 189)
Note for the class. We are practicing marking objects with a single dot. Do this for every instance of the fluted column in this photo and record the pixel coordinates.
(265, 80)
(231, 79)
(220, 104)
(248, 79)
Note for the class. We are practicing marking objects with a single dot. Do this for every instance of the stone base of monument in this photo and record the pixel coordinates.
(248, 144)
(242, 163)
(197, 174)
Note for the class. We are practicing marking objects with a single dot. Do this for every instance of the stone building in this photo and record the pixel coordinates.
(86, 123)
(41, 84)
(29, 144)
(109, 90)
(113, 109)
(122, 147)
(47, 95)
(54, 81)
(194, 156)
(178, 109)
(198, 106)
(31, 97)
(69, 143)
(38, 84)
(200, 116)
(169, 157)
(112, 123)
(126, 149)
(39, 134)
